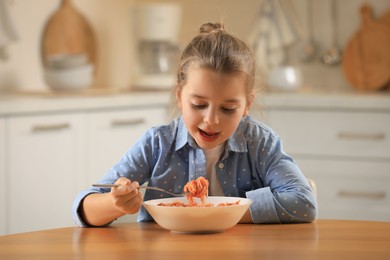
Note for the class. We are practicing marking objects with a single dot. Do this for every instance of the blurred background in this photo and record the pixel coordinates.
(112, 24)
(82, 80)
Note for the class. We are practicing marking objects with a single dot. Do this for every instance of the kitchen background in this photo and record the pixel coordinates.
(60, 142)
(111, 22)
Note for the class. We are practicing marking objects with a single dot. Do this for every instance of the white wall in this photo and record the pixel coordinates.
(111, 22)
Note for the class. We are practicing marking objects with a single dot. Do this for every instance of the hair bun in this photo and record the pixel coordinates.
(211, 27)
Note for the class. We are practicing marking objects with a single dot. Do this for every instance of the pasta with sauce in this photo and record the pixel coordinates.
(196, 189)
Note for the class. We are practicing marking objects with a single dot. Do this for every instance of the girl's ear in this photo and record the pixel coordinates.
(178, 96)
(249, 103)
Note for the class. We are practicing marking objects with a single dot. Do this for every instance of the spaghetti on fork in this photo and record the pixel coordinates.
(198, 188)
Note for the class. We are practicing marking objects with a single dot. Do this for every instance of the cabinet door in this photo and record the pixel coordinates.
(333, 133)
(45, 168)
(111, 134)
(2, 177)
(356, 190)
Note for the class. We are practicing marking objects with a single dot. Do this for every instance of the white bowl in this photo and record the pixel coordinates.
(75, 78)
(198, 219)
(284, 78)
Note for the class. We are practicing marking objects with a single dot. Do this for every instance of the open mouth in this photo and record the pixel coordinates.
(209, 136)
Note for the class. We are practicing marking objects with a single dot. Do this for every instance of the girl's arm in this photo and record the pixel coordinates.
(100, 209)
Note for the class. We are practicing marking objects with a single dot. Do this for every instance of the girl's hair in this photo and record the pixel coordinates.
(215, 49)
(218, 51)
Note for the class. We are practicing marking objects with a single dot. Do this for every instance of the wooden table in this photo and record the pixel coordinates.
(325, 239)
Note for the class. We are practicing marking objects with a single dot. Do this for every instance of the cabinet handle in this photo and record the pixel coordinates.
(362, 136)
(380, 195)
(128, 122)
(51, 127)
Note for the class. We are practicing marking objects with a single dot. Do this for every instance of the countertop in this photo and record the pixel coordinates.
(31, 103)
(27, 103)
(323, 239)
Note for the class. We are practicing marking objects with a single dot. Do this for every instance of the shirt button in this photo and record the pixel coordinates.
(221, 165)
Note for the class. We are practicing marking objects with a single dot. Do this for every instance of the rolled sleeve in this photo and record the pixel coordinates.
(263, 208)
(78, 219)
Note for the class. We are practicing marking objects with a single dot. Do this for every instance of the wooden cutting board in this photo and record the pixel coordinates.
(385, 19)
(67, 32)
(366, 62)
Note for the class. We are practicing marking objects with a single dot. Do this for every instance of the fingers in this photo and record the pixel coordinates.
(126, 197)
(134, 204)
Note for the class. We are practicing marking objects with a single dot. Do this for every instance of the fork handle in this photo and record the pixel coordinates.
(105, 185)
(140, 187)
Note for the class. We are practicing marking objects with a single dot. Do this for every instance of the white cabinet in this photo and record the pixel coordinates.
(2, 178)
(334, 133)
(110, 134)
(346, 152)
(350, 189)
(45, 170)
(52, 148)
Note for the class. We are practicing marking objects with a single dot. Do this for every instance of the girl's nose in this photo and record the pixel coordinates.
(211, 117)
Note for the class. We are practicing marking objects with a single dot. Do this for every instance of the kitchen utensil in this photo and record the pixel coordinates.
(334, 55)
(385, 19)
(366, 62)
(8, 32)
(140, 187)
(308, 48)
(198, 219)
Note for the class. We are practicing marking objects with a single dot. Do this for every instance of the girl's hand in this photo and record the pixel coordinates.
(126, 197)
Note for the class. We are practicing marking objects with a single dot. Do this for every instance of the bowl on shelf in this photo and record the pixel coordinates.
(284, 78)
(73, 78)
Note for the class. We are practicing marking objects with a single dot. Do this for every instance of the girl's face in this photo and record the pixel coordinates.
(212, 105)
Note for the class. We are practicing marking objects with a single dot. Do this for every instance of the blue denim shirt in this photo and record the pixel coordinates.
(253, 165)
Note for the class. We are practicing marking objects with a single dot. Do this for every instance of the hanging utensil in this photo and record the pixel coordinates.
(277, 42)
(334, 55)
(8, 32)
(308, 48)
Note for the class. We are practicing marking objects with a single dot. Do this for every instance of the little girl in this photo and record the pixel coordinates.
(215, 138)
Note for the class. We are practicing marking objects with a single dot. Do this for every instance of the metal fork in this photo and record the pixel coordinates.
(140, 187)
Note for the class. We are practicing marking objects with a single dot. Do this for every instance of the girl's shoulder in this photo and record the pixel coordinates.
(165, 131)
(252, 126)
(252, 134)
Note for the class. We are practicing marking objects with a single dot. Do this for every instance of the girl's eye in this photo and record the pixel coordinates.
(228, 110)
(195, 106)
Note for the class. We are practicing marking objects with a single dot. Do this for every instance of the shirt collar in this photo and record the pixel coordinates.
(183, 136)
(235, 143)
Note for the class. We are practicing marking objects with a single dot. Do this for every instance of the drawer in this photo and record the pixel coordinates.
(350, 190)
(333, 133)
